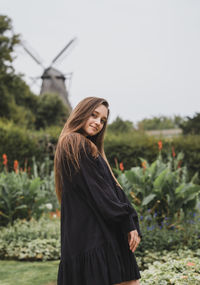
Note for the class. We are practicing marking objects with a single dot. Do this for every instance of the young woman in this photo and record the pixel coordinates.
(99, 227)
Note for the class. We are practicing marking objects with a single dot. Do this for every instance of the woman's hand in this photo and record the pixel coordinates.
(133, 240)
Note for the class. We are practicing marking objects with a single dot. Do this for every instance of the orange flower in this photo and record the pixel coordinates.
(54, 214)
(121, 166)
(16, 166)
(190, 264)
(144, 164)
(57, 213)
(5, 160)
(173, 152)
(160, 145)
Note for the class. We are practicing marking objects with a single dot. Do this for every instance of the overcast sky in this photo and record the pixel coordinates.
(142, 56)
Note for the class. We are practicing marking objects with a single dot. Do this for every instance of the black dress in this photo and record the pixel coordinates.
(96, 217)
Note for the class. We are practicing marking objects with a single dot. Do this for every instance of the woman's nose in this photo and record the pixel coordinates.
(97, 121)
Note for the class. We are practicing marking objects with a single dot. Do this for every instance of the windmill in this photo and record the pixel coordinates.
(53, 81)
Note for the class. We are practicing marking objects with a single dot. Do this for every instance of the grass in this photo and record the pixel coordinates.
(176, 267)
(28, 273)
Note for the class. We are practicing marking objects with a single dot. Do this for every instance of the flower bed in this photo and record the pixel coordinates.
(182, 267)
(33, 240)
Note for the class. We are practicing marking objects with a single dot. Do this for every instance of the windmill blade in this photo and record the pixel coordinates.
(31, 55)
(63, 50)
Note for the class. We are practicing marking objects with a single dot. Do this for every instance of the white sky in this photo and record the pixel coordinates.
(142, 56)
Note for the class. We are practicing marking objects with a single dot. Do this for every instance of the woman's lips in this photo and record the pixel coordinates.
(94, 128)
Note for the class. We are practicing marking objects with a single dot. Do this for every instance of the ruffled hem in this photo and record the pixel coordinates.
(107, 264)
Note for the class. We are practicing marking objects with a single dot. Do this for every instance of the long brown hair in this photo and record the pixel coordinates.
(71, 138)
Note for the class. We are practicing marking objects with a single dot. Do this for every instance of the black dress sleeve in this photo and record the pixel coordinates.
(122, 196)
(95, 188)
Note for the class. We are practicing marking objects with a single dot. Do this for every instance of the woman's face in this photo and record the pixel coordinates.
(96, 121)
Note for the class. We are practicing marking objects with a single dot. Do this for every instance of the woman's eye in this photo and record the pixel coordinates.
(102, 121)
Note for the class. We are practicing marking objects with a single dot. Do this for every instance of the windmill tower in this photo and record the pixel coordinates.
(54, 81)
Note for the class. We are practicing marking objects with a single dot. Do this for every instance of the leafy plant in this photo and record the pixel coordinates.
(168, 236)
(26, 195)
(162, 187)
(31, 240)
(20, 197)
(45, 171)
(181, 267)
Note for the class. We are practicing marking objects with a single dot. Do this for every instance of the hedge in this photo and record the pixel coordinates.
(22, 144)
(18, 241)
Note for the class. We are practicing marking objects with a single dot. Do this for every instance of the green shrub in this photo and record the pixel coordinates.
(22, 144)
(169, 236)
(24, 197)
(50, 111)
(162, 187)
(18, 241)
(33, 240)
(19, 144)
(181, 267)
(128, 148)
(45, 171)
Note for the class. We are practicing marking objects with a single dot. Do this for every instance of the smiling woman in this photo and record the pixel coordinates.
(99, 227)
(96, 121)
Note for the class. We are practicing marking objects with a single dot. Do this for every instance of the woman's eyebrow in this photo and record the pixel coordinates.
(99, 113)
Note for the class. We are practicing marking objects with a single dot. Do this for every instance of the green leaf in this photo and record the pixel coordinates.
(158, 183)
(133, 177)
(148, 199)
(21, 207)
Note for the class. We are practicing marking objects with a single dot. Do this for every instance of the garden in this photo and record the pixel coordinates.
(165, 196)
(160, 176)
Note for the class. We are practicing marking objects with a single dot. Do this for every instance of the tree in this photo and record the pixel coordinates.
(192, 125)
(17, 103)
(50, 111)
(120, 126)
(160, 123)
(8, 41)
